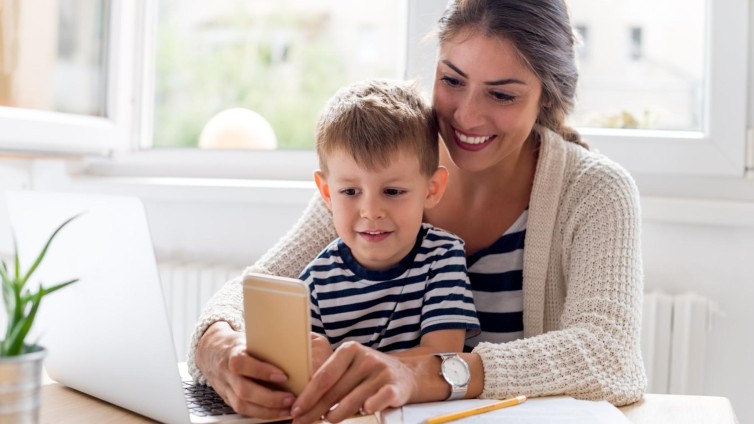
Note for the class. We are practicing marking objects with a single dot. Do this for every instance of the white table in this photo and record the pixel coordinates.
(61, 405)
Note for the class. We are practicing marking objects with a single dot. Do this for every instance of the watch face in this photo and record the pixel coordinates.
(455, 371)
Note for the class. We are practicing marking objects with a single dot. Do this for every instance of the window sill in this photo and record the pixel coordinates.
(51, 175)
(296, 165)
(723, 213)
(697, 204)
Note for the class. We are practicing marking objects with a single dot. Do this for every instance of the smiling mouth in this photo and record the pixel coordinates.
(375, 236)
(472, 143)
(472, 140)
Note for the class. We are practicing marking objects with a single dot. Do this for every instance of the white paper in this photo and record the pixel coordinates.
(560, 409)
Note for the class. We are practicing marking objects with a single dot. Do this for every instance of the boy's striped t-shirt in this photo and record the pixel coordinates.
(496, 277)
(391, 310)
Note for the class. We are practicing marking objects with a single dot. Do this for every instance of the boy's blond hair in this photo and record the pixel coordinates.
(372, 120)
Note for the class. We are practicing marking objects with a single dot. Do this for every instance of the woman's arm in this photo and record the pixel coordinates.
(287, 258)
(360, 378)
(592, 299)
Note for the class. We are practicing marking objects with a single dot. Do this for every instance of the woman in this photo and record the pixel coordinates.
(505, 83)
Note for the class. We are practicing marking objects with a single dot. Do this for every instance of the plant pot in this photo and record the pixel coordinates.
(20, 385)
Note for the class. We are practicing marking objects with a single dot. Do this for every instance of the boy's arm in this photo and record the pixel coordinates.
(439, 341)
(448, 314)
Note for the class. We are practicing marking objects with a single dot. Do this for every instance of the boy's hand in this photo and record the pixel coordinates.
(321, 350)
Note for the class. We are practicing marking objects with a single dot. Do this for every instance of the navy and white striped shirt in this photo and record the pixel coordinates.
(391, 310)
(496, 276)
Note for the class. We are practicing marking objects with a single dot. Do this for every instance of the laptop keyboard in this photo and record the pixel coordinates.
(203, 401)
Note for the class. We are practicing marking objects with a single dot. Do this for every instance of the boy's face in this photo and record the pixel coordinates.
(378, 213)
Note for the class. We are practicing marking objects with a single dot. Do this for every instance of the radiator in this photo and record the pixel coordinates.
(187, 287)
(674, 341)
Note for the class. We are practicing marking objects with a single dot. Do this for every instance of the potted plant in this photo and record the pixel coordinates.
(21, 361)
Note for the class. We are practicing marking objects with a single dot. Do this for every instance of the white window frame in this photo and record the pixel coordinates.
(702, 176)
(718, 152)
(46, 132)
(721, 149)
(136, 158)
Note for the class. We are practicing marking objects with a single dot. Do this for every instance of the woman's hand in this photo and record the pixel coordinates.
(221, 356)
(356, 378)
(321, 350)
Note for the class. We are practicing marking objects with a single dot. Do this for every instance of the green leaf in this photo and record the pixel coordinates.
(44, 250)
(22, 305)
(8, 288)
(20, 331)
(9, 299)
(15, 258)
(58, 286)
(15, 314)
(46, 291)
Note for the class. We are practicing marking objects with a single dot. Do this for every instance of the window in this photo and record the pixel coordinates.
(582, 48)
(59, 90)
(678, 107)
(635, 47)
(255, 74)
(646, 69)
(57, 63)
(670, 99)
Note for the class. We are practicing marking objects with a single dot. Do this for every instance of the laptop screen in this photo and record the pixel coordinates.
(107, 335)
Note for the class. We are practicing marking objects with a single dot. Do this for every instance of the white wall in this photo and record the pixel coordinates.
(680, 253)
(14, 175)
(718, 262)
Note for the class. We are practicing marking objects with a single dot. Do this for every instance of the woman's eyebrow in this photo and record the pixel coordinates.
(455, 68)
(496, 82)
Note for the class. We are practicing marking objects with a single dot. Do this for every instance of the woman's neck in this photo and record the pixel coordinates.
(510, 179)
(480, 206)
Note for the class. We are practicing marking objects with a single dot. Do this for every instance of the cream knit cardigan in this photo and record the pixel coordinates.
(582, 283)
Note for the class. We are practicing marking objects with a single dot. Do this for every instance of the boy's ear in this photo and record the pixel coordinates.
(437, 183)
(323, 187)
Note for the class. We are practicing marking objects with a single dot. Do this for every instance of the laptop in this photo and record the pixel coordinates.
(108, 335)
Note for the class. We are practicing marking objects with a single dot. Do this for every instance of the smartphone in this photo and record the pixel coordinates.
(276, 311)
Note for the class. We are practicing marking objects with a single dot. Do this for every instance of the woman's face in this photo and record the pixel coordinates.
(487, 100)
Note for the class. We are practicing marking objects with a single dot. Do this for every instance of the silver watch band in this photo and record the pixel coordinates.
(457, 392)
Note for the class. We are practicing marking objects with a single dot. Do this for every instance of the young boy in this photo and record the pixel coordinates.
(389, 281)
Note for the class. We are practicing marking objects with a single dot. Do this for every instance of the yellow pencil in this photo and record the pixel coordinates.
(478, 410)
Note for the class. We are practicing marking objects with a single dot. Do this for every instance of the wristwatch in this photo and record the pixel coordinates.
(456, 372)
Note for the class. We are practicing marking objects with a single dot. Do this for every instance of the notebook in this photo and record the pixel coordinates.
(108, 335)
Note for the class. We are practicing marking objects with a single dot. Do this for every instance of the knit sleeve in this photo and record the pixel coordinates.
(287, 258)
(590, 345)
